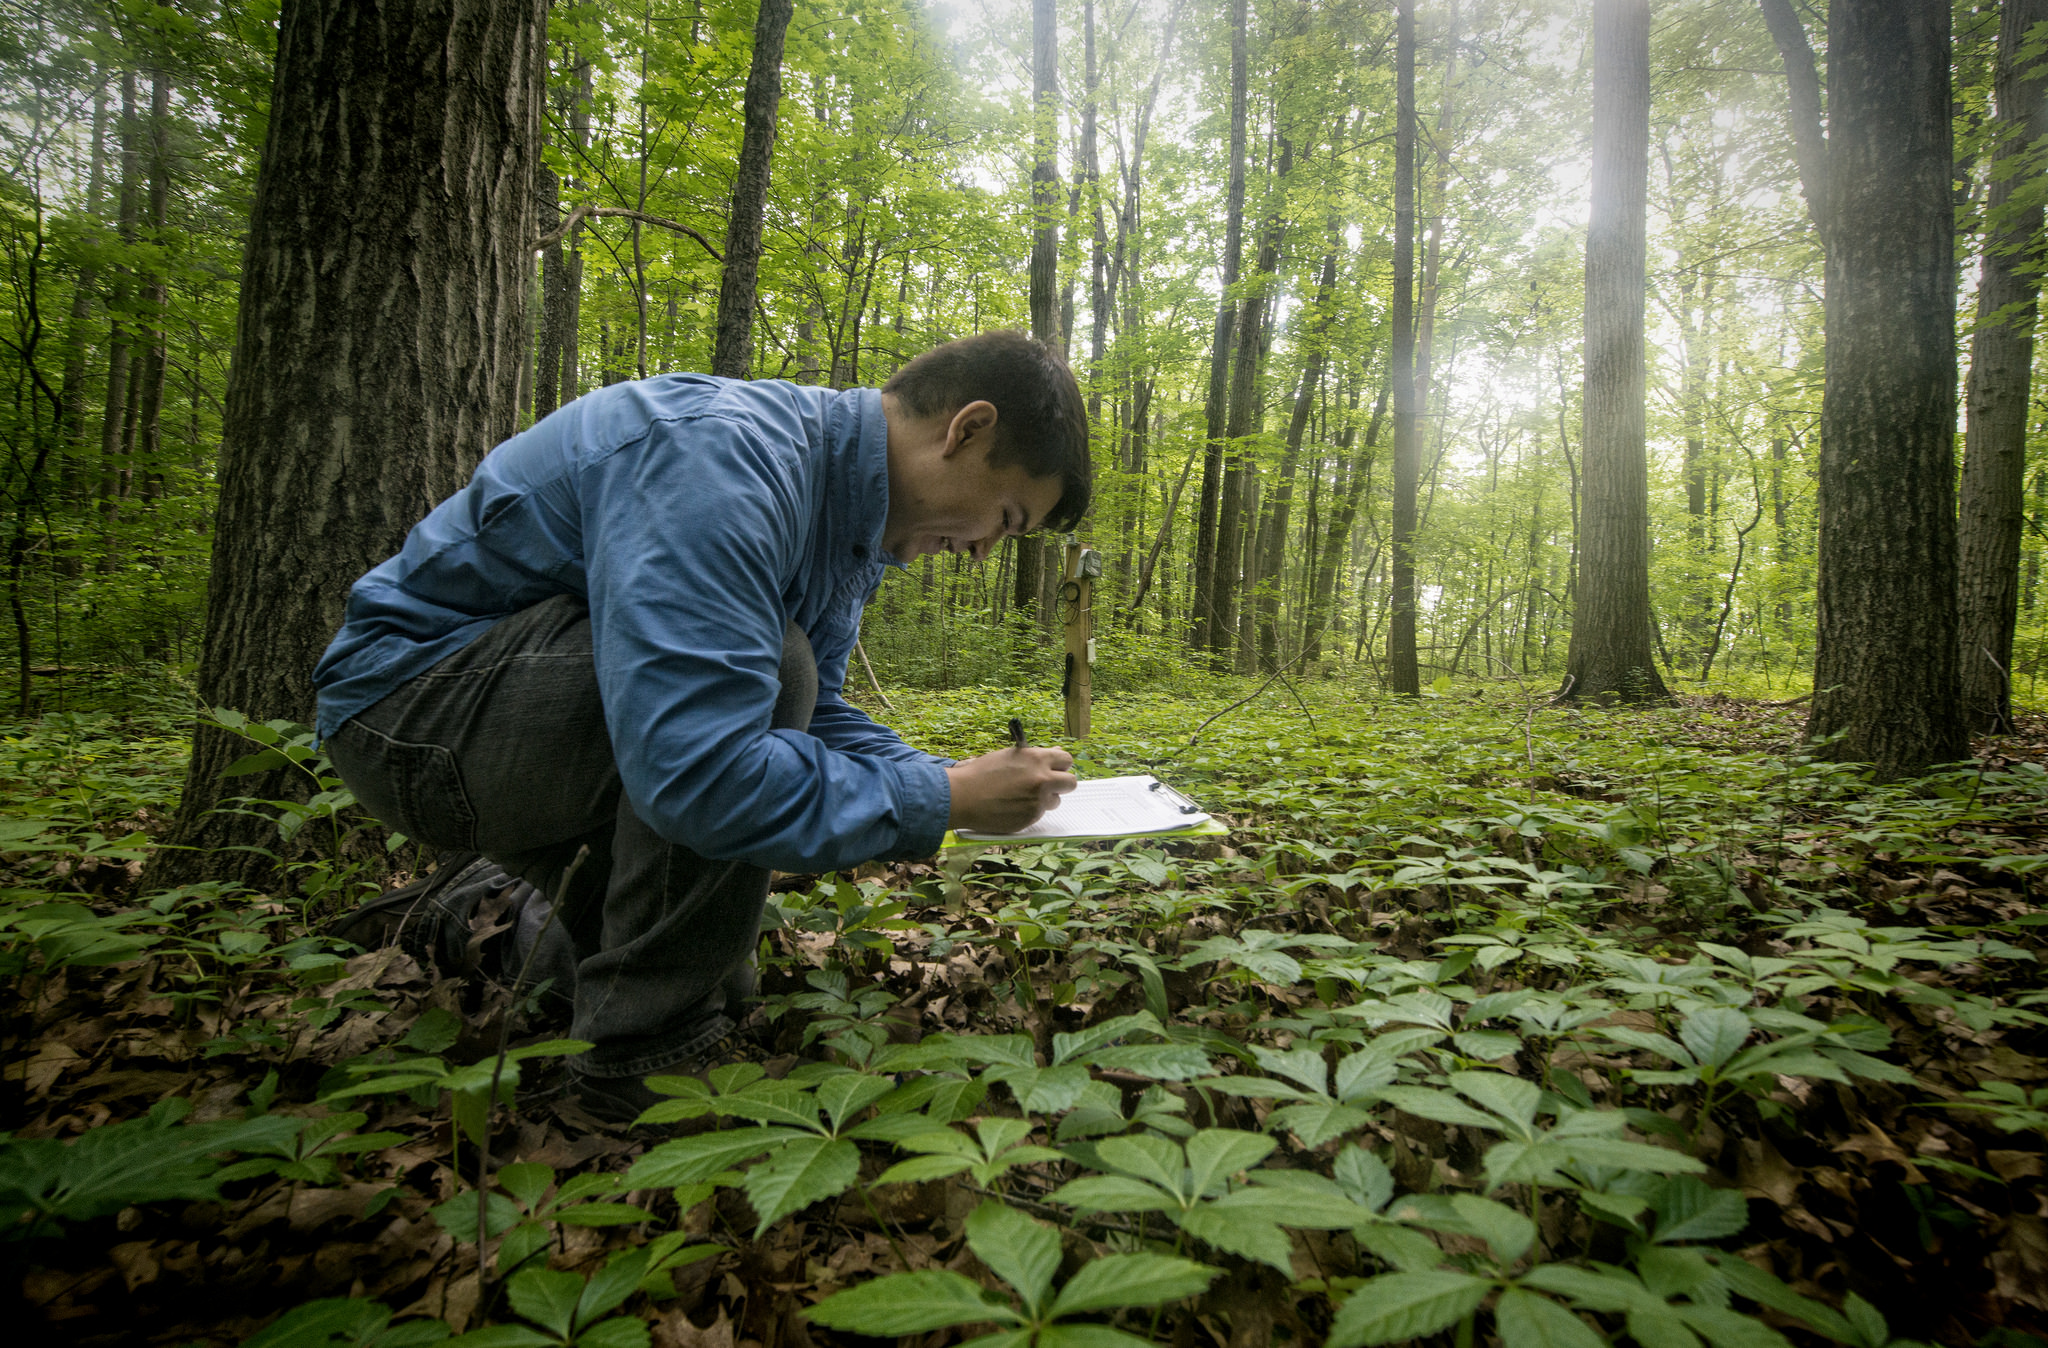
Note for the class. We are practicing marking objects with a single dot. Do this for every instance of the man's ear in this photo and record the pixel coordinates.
(973, 425)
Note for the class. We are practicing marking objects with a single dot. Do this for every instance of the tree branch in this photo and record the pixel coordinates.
(588, 211)
(1809, 144)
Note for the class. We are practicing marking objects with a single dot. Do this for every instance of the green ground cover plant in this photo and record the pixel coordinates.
(1488, 1023)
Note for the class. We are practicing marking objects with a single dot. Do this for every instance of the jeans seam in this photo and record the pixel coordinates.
(642, 1064)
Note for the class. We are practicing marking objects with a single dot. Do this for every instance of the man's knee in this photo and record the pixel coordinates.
(799, 675)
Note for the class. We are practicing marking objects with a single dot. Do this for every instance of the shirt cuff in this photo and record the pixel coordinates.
(927, 806)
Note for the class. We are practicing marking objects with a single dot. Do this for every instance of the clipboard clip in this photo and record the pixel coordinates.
(1182, 803)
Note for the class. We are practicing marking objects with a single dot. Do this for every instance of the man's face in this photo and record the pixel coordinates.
(945, 495)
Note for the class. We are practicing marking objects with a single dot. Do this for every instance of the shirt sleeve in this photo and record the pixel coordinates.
(686, 614)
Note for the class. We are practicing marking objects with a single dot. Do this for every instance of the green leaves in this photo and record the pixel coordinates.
(798, 1174)
(911, 1303)
(1025, 1254)
(1397, 1306)
(117, 1165)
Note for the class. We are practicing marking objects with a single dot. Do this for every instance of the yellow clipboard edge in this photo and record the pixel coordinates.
(1208, 828)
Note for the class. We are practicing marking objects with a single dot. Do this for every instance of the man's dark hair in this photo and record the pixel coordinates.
(1041, 424)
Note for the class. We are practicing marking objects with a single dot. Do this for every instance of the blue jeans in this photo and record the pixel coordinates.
(501, 749)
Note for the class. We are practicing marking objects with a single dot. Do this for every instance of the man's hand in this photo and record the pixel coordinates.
(1009, 789)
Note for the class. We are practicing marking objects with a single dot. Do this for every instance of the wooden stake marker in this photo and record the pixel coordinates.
(1077, 592)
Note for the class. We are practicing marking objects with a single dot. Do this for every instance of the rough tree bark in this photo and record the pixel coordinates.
(1884, 673)
(1205, 625)
(2001, 364)
(1403, 675)
(377, 349)
(1609, 658)
(733, 347)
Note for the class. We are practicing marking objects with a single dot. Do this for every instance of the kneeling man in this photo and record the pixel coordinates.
(630, 631)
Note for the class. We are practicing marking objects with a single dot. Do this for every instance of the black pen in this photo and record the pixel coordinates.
(1017, 732)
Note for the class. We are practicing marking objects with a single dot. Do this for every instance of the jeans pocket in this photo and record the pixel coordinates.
(414, 788)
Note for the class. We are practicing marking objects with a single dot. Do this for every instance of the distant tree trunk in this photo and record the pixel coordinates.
(1273, 527)
(1338, 538)
(1235, 561)
(1884, 674)
(547, 346)
(1206, 628)
(1610, 655)
(1403, 675)
(565, 301)
(1045, 241)
(378, 346)
(150, 400)
(119, 303)
(72, 398)
(1994, 488)
(733, 353)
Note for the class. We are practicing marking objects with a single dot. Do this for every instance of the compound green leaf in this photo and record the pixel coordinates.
(1396, 1306)
(1525, 1320)
(800, 1174)
(690, 1160)
(1130, 1280)
(547, 1297)
(911, 1303)
(1020, 1251)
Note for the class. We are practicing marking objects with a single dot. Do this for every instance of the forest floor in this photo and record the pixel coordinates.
(1539, 1026)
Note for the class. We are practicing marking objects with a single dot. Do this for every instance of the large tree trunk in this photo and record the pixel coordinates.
(2001, 365)
(1403, 675)
(1206, 627)
(733, 351)
(377, 349)
(1884, 674)
(1610, 655)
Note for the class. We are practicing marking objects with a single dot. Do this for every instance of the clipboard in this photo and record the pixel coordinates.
(1104, 809)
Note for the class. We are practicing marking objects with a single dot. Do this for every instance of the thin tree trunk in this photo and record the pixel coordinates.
(1045, 244)
(1235, 562)
(72, 399)
(149, 434)
(379, 340)
(1403, 675)
(1610, 656)
(120, 302)
(1323, 598)
(1885, 679)
(1273, 529)
(1205, 626)
(2001, 365)
(733, 352)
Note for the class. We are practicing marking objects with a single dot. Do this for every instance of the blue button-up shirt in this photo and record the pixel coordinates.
(698, 517)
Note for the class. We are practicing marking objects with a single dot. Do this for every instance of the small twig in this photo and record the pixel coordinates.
(483, 1149)
(872, 680)
(1196, 737)
(588, 211)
